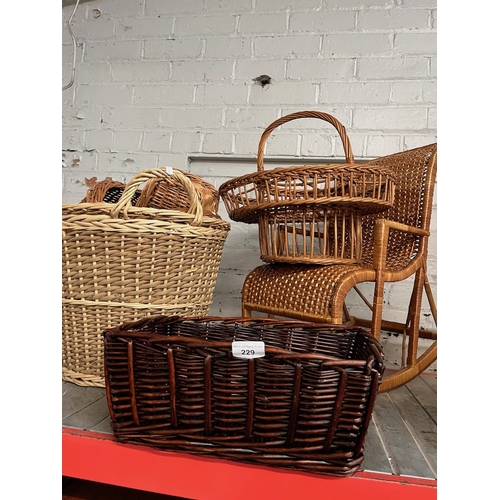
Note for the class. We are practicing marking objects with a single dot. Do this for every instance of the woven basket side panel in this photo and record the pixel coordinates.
(139, 268)
(108, 191)
(190, 394)
(312, 234)
(114, 194)
(151, 371)
(273, 421)
(113, 277)
(98, 191)
(411, 171)
(163, 194)
(317, 413)
(275, 393)
(151, 390)
(202, 400)
(82, 327)
(368, 187)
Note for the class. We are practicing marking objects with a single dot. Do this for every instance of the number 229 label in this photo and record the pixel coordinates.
(246, 349)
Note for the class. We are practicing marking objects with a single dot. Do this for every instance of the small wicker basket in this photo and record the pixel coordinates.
(309, 214)
(108, 191)
(305, 404)
(169, 194)
(122, 263)
(161, 193)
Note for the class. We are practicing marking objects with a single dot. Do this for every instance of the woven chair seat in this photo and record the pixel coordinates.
(312, 286)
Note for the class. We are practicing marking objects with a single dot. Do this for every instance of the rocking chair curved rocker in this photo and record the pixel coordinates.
(394, 248)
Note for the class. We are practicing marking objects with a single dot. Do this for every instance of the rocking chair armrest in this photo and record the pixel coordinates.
(390, 224)
(381, 236)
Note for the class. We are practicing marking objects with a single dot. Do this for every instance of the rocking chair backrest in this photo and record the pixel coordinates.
(415, 171)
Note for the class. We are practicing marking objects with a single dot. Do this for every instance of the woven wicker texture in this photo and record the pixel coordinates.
(121, 263)
(369, 188)
(170, 194)
(174, 384)
(309, 214)
(167, 194)
(397, 251)
(108, 191)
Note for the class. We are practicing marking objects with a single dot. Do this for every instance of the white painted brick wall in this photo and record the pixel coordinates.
(394, 19)
(322, 21)
(286, 46)
(171, 83)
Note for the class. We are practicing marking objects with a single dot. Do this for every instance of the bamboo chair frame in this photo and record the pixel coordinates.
(395, 247)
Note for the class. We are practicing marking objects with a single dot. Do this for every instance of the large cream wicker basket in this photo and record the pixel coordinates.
(121, 263)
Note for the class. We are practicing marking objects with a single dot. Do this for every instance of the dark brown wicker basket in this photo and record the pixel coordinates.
(174, 384)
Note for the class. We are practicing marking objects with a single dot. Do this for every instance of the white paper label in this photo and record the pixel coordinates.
(169, 170)
(247, 349)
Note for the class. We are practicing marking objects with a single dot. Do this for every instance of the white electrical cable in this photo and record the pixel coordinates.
(74, 48)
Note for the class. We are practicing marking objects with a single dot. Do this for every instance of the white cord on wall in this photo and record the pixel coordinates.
(74, 48)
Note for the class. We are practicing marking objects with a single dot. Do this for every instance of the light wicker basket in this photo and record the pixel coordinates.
(121, 263)
(159, 193)
(309, 214)
(108, 191)
(169, 194)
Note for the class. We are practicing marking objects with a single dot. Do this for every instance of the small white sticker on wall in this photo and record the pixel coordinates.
(247, 349)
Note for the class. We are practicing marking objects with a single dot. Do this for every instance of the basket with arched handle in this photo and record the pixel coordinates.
(122, 262)
(159, 192)
(309, 213)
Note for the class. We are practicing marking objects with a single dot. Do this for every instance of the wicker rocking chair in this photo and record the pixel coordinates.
(395, 246)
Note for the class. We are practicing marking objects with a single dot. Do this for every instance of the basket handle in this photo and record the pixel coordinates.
(305, 114)
(125, 201)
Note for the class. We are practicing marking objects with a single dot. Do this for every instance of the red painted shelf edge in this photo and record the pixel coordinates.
(99, 457)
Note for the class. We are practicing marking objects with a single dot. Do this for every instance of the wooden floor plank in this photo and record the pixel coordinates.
(75, 398)
(431, 381)
(375, 456)
(423, 389)
(90, 416)
(420, 426)
(103, 426)
(404, 454)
